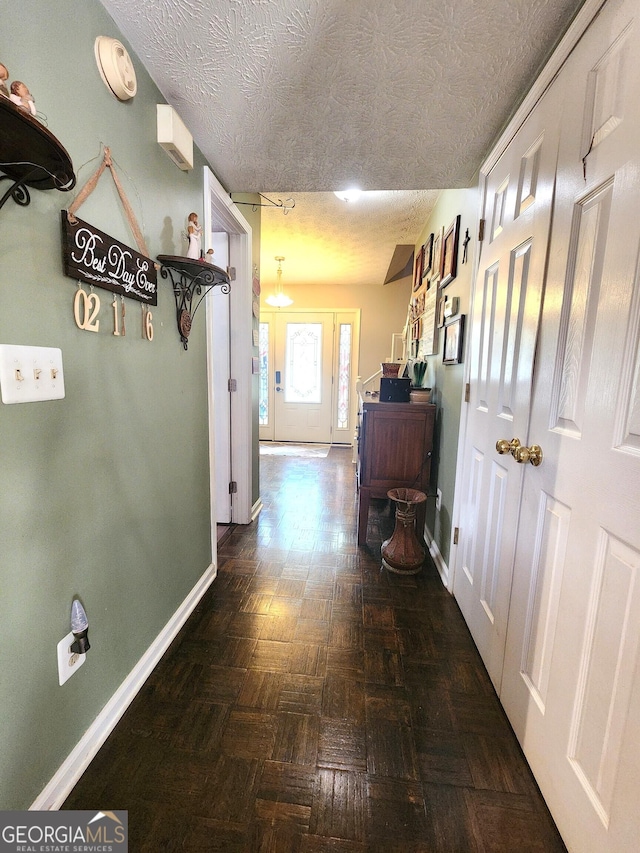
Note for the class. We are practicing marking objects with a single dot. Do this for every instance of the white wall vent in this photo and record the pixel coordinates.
(174, 137)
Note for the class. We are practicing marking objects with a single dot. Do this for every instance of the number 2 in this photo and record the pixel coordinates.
(90, 310)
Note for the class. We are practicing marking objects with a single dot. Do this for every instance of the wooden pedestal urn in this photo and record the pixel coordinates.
(402, 553)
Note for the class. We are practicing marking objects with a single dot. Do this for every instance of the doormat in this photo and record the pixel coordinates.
(274, 448)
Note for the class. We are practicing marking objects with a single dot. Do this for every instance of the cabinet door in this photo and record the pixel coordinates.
(395, 448)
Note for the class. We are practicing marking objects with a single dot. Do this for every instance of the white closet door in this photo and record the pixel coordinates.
(506, 309)
(571, 685)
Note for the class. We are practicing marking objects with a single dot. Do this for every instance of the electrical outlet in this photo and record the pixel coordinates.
(29, 374)
(68, 661)
(438, 500)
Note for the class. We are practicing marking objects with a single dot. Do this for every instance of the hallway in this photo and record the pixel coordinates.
(315, 703)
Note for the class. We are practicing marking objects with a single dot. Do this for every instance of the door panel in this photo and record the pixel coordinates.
(571, 685)
(304, 360)
(518, 203)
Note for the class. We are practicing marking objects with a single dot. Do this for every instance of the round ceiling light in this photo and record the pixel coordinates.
(115, 67)
(352, 194)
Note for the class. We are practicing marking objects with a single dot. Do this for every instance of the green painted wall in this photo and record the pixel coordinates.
(104, 494)
(448, 380)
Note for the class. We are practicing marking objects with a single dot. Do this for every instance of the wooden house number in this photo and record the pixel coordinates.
(86, 307)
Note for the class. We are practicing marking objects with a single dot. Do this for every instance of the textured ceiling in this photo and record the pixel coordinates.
(326, 239)
(301, 96)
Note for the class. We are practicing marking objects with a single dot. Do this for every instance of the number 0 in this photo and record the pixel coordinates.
(90, 310)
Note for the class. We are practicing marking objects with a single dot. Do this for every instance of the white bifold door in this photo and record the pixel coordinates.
(547, 571)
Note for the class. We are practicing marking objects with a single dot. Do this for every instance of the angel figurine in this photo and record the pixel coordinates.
(22, 97)
(194, 233)
(4, 76)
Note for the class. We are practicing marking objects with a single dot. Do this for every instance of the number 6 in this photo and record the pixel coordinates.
(147, 327)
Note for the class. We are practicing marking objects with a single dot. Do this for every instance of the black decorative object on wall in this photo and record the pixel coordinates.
(93, 257)
(190, 279)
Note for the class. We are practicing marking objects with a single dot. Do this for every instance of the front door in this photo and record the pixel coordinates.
(571, 683)
(303, 377)
(308, 367)
(506, 308)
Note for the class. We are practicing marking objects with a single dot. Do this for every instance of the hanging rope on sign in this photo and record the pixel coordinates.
(90, 186)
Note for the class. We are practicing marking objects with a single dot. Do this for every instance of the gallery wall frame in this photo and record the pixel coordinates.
(417, 272)
(453, 341)
(427, 254)
(449, 263)
(436, 258)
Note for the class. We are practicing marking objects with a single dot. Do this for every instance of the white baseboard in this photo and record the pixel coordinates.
(441, 566)
(65, 779)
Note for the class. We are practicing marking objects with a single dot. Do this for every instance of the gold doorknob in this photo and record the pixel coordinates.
(503, 446)
(531, 454)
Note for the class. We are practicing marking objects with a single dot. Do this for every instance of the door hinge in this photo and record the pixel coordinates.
(481, 225)
(456, 534)
(233, 385)
(233, 487)
(232, 273)
(467, 392)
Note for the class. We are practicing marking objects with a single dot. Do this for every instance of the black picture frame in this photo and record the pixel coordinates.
(452, 350)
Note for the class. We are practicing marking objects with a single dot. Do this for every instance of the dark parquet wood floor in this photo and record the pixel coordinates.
(313, 703)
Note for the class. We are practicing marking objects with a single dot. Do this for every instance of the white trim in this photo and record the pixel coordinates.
(229, 218)
(559, 56)
(72, 768)
(256, 509)
(441, 566)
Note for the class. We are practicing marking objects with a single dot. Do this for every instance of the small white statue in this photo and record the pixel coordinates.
(209, 256)
(22, 97)
(194, 233)
(4, 76)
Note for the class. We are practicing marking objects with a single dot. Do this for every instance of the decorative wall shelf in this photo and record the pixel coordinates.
(190, 279)
(30, 156)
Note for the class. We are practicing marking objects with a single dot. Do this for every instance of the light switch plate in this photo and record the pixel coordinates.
(29, 374)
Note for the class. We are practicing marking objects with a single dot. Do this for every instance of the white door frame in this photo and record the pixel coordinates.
(220, 213)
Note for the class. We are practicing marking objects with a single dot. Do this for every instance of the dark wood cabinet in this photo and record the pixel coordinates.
(395, 443)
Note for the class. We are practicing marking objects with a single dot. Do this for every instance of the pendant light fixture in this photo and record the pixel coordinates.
(279, 299)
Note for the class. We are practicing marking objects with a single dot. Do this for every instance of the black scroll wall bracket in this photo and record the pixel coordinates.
(191, 280)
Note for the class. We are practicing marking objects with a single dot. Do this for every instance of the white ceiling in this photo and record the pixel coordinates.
(299, 97)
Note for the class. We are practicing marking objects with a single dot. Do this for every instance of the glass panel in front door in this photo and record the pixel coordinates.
(303, 374)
